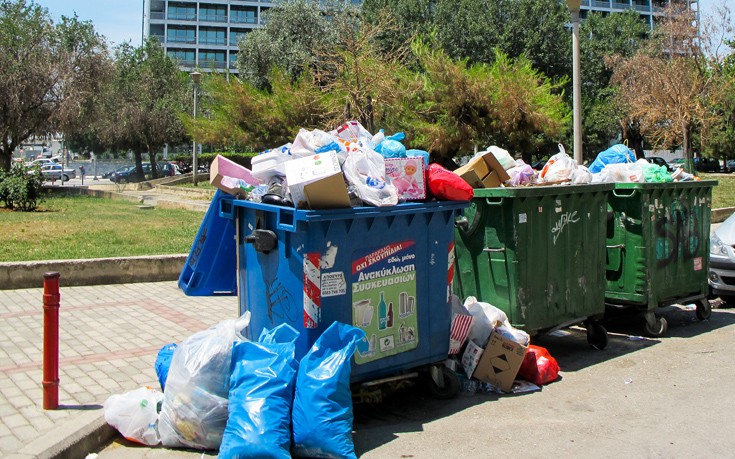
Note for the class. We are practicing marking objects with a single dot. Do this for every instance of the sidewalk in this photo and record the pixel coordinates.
(108, 339)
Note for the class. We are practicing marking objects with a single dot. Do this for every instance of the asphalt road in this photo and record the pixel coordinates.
(639, 397)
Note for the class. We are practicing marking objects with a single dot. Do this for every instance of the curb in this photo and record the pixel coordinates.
(73, 440)
(92, 271)
(720, 215)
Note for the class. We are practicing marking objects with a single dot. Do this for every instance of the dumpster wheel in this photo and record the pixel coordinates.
(443, 382)
(658, 328)
(704, 309)
(596, 335)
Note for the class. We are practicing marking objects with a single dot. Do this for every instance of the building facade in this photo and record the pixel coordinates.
(205, 33)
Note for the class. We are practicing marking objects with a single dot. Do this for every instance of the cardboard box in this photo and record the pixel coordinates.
(500, 362)
(483, 172)
(316, 182)
(222, 167)
(407, 175)
(471, 358)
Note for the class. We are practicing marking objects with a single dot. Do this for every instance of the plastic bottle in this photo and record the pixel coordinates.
(382, 313)
(390, 315)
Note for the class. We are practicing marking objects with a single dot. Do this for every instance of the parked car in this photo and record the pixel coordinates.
(41, 162)
(707, 165)
(56, 171)
(730, 166)
(657, 160)
(130, 175)
(118, 170)
(722, 261)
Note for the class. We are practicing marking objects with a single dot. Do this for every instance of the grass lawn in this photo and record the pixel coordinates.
(201, 185)
(723, 195)
(73, 227)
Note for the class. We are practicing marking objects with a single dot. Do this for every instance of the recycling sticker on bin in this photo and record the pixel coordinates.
(384, 300)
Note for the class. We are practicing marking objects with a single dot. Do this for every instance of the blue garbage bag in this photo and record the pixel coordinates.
(163, 362)
(322, 410)
(261, 394)
(616, 154)
(392, 147)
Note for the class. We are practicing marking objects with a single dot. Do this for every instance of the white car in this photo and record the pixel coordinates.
(58, 172)
(722, 261)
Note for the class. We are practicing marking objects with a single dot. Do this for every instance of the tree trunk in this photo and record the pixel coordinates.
(154, 166)
(686, 147)
(139, 165)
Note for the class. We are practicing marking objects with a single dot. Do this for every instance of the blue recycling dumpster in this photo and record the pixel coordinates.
(387, 270)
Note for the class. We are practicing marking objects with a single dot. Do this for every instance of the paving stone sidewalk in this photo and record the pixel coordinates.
(109, 337)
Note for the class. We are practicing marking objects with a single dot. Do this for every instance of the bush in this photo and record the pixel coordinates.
(20, 190)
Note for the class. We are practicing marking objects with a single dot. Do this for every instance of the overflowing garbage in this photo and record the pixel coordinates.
(254, 399)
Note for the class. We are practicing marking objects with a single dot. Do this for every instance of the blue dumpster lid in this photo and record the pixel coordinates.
(356, 212)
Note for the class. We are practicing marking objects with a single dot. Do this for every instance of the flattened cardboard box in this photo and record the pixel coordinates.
(483, 172)
(500, 362)
(223, 167)
(316, 182)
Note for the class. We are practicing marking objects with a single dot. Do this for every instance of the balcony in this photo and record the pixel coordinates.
(212, 41)
(182, 17)
(599, 4)
(157, 15)
(213, 17)
(243, 20)
(621, 6)
(640, 7)
(190, 41)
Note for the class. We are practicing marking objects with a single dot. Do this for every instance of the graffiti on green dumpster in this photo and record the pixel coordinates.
(678, 235)
(384, 300)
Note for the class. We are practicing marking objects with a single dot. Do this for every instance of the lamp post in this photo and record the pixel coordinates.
(196, 77)
(574, 7)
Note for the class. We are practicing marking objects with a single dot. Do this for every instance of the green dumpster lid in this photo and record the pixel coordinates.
(542, 190)
(656, 185)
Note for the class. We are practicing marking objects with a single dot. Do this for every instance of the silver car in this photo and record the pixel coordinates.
(57, 171)
(722, 261)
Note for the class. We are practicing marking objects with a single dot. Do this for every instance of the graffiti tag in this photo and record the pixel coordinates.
(566, 218)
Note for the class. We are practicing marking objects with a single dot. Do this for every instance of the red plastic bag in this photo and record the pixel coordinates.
(538, 366)
(447, 185)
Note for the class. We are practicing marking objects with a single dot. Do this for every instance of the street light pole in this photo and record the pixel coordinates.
(196, 77)
(574, 7)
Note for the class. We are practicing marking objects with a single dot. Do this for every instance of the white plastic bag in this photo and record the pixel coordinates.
(514, 334)
(307, 143)
(503, 157)
(364, 168)
(486, 318)
(559, 167)
(194, 412)
(624, 173)
(135, 415)
(581, 175)
(352, 131)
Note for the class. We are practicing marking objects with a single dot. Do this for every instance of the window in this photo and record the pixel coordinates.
(213, 13)
(184, 56)
(181, 35)
(235, 36)
(246, 16)
(181, 12)
(211, 36)
(215, 59)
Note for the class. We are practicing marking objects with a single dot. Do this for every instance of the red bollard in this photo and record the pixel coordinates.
(51, 299)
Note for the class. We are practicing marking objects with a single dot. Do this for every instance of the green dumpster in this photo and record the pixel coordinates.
(537, 253)
(658, 248)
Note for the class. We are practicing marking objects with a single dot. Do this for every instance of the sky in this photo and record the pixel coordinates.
(121, 20)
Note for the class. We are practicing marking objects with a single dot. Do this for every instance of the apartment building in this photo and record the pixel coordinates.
(205, 33)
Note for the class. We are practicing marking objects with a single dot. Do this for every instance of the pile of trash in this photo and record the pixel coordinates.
(345, 167)
(246, 398)
(490, 355)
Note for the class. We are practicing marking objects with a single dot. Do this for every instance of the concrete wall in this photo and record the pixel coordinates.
(94, 271)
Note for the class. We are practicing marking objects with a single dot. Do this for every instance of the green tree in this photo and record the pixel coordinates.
(602, 37)
(294, 33)
(411, 18)
(460, 106)
(48, 73)
(140, 108)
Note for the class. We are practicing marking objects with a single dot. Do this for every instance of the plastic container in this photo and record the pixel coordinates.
(537, 253)
(211, 267)
(658, 247)
(386, 270)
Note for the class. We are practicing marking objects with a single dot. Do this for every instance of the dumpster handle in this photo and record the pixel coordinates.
(263, 240)
(630, 194)
(489, 250)
(495, 201)
(616, 246)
